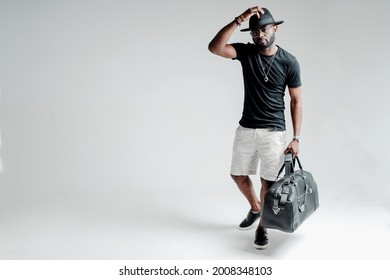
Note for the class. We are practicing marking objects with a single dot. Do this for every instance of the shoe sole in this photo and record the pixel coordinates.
(261, 247)
(249, 227)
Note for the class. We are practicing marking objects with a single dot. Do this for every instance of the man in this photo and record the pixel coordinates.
(267, 71)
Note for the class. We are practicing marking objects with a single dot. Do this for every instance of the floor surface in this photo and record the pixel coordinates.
(196, 226)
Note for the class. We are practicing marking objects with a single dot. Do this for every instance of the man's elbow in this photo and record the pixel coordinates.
(213, 49)
(223, 52)
(296, 103)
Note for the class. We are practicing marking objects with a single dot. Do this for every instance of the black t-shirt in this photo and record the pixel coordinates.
(264, 101)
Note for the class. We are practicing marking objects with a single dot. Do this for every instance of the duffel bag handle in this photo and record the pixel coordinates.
(299, 163)
(287, 165)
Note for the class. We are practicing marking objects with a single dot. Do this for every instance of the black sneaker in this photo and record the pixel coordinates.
(250, 219)
(261, 238)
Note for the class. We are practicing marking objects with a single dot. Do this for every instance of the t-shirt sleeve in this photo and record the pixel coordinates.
(241, 50)
(294, 75)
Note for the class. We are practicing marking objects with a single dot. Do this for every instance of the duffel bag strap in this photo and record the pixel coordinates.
(276, 208)
(288, 164)
(279, 203)
(284, 192)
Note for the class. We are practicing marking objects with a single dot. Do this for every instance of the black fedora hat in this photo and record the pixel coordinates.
(266, 18)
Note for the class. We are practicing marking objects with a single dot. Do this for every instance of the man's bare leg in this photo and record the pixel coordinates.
(244, 183)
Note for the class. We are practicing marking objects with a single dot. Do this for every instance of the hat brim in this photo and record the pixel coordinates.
(275, 23)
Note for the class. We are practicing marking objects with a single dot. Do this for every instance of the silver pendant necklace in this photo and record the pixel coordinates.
(262, 70)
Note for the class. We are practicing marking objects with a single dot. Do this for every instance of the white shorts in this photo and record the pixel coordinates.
(252, 145)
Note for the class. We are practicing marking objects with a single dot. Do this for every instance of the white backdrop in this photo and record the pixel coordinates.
(117, 126)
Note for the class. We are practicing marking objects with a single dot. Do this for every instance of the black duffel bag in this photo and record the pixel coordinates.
(291, 199)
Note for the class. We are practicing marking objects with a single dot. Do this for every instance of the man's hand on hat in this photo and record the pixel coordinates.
(250, 12)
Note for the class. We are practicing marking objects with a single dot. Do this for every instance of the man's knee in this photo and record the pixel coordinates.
(239, 178)
(266, 183)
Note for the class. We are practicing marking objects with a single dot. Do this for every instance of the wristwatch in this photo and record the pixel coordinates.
(297, 138)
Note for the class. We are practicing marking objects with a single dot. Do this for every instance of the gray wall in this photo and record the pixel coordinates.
(121, 102)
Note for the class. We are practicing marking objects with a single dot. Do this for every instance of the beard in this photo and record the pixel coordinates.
(265, 43)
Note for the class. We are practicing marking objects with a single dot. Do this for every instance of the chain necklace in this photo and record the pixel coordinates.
(262, 70)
